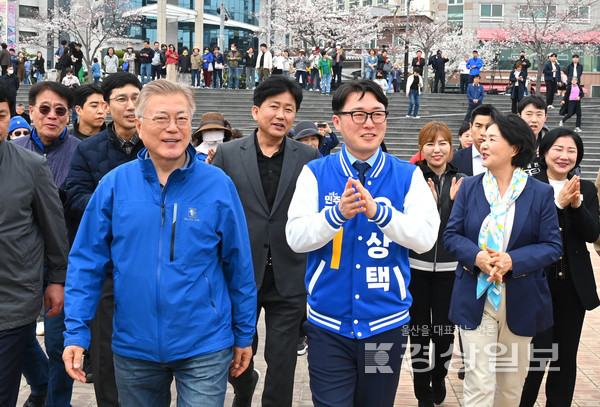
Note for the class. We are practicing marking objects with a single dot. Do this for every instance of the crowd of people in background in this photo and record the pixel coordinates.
(166, 279)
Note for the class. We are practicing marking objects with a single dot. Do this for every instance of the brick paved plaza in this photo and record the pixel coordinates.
(587, 391)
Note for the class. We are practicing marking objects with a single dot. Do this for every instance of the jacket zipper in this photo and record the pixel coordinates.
(158, 274)
(173, 231)
(439, 188)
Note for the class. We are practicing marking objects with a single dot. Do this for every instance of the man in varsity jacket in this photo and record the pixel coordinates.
(357, 213)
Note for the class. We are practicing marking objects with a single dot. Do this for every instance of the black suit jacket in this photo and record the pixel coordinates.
(570, 69)
(267, 227)
(463, 160)
(581, 225)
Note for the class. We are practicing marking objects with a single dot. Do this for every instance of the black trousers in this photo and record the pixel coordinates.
(431, 332)
(347, 372)
(282, 316)
(574, 107)
(101, 355)
(12, 344)
(440, 77)
(155, 70)
(551, 88)
(565, 334)
(464, 82)
(337, 73)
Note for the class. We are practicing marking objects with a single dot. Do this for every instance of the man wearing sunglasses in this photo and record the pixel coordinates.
(49, 107)
(93, 159)
(356, 213)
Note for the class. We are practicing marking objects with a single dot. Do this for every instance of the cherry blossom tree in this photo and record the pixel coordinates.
(93, 23)
(546, 25)
(311, 23)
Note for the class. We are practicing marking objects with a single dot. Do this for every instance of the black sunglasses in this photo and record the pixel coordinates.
(18, 133)
(59, 110)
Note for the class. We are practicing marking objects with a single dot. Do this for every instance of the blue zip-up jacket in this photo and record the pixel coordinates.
(476, 63)
(358, 271)
(182, 265)
(475, 92)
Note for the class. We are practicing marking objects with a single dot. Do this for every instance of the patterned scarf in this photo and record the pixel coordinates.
(491, 233)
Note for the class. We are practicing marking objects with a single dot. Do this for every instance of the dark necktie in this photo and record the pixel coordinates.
(362, 168)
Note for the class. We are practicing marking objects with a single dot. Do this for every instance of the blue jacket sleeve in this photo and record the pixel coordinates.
(236, 258)
(479, 63)
(547, 70)
(548, 247)
(455, 240)
(481, 93)
(86, 272)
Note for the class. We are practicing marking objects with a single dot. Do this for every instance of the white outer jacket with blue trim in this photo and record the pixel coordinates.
(358, 271)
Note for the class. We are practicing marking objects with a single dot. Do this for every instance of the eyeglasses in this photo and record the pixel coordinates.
(122, 99)
(59, 110)
(162, 122)
(360, 117)
(18, 133)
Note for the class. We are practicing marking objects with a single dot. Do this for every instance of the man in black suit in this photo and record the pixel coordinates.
(468, 160)
(419, 61)
(574, 69)
(264, 167)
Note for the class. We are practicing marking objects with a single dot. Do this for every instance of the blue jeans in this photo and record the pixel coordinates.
(235, 71)
(370, 73)
(39, 77)
(200, 380)
(196, 78)
(146, 73)
(60, 384)
(315, 82)
(415, 100)
(34, 364)
(326, 83)
(217, 78)
(250, 77)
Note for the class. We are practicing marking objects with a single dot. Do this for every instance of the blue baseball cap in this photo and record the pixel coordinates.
(18, 122)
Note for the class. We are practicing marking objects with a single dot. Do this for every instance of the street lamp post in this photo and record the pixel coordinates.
(406, 43)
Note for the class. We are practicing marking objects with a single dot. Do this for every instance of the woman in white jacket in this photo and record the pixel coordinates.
(111, 61)
(414, 84)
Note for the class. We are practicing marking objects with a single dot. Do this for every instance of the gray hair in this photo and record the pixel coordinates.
(163, 87)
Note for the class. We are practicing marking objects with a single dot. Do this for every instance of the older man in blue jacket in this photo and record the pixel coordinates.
(185, 297)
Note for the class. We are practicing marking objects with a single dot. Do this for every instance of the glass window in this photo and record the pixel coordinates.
(28, 11)
(491, 10)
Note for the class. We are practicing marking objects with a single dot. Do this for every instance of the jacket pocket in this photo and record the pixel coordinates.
(210, 294)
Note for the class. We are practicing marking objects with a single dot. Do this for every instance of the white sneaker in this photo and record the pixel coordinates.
(577, 129)
(407, 115)
(560, 124)
(39, 328)
(550, 107)
(417, 117)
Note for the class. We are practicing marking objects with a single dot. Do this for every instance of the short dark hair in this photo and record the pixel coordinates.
(419, 51)
(361, 86)
(82, 93)
(118, 80)
(5, 96)
(69, 70)
(476, 76)
(463, 127)
(536, 101)
(482, 110)
(3, 45)
(63, 42)
(276, 85)
(417, 70)
(552, 55)
(95, 60)
(146, 42)
(475, 51)
(575, 56)
(263, 45)
(517, 133)
(550, 138)
(156, 42)
(61, 90)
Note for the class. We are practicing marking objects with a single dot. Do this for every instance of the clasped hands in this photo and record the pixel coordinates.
(357, 199)
(570, 194)
(494, 263)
